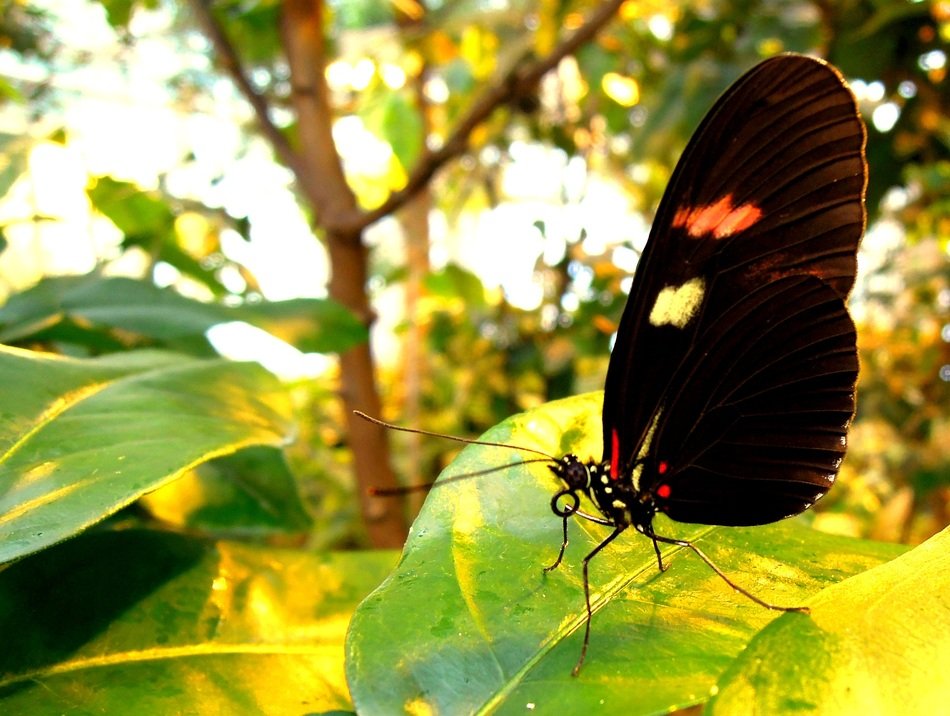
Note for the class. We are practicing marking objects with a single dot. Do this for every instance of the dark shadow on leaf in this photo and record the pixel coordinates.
(53, 603)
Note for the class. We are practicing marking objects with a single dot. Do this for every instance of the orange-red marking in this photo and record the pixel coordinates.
(614, 454)
(721, 219)
(663, 491)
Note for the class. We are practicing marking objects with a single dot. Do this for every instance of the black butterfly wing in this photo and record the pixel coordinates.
(756, 424)
(771, 187)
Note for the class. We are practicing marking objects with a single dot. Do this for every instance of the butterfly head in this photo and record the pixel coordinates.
(572, 472)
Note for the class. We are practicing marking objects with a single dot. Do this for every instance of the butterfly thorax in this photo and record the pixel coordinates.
(617, 498)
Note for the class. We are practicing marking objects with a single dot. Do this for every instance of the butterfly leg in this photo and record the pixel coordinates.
(659, 557)
(610, 538)
(560, 555)
(709, 563)
(564, 513)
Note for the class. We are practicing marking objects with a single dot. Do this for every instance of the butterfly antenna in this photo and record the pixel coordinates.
(422, 486)
(457, 439)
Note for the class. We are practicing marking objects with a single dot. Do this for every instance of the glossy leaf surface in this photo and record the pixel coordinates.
(72, 308)
(468, 623)
(155, 623)
(876, 643)
(250, 493)
(81, 439)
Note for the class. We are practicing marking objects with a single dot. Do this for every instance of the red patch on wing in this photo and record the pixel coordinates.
(720, 219)
(663, 491)
(614, 455)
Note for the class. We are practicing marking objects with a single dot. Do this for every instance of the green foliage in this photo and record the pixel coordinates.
(82, 439)
(252, 27)
(147, 221)
(101, 314)
(96, 616)
(251, 494)
(174, 624)
(396, 120)
(497, 633)
(14, 150)
(119, 12)
(876, 643)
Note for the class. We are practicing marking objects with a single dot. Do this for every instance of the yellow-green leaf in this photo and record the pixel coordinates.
(141, 622)
(469, 623)
(878, 643)
(81, 439)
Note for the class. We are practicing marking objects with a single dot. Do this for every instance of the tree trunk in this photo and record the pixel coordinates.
(322, 180)
(414, 218)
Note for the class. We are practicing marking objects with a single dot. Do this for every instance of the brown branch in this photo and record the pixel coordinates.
(320, 178)
(514, 82)
(228, 58)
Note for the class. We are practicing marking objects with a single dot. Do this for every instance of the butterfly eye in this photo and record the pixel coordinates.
(576, 475)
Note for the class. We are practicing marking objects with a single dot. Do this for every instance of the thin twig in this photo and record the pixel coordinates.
(516, 80)
(227, 57)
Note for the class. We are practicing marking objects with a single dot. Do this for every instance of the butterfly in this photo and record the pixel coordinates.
(731, 384)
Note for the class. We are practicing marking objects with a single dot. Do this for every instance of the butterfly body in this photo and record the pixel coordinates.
(620, 501)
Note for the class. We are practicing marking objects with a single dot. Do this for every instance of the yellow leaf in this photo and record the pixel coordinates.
(478, 49)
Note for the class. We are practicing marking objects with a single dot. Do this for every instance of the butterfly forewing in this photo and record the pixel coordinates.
(735, 356)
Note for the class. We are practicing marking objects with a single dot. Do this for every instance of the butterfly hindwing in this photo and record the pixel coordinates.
(756, 426)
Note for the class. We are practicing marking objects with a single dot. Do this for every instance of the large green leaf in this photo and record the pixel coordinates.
(250, 493)
(469, 624)
(81, 439)
(56, 307)
(878, 643)
(150, 623)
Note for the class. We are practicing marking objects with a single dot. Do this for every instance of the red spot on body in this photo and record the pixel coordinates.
(663, 467)
(614, 454)
(663, 491)
(721, 219)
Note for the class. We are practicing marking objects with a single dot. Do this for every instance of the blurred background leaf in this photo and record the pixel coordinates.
(103, 314)
(82, 439)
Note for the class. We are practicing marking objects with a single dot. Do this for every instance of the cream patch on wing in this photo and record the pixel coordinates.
(677, 305)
